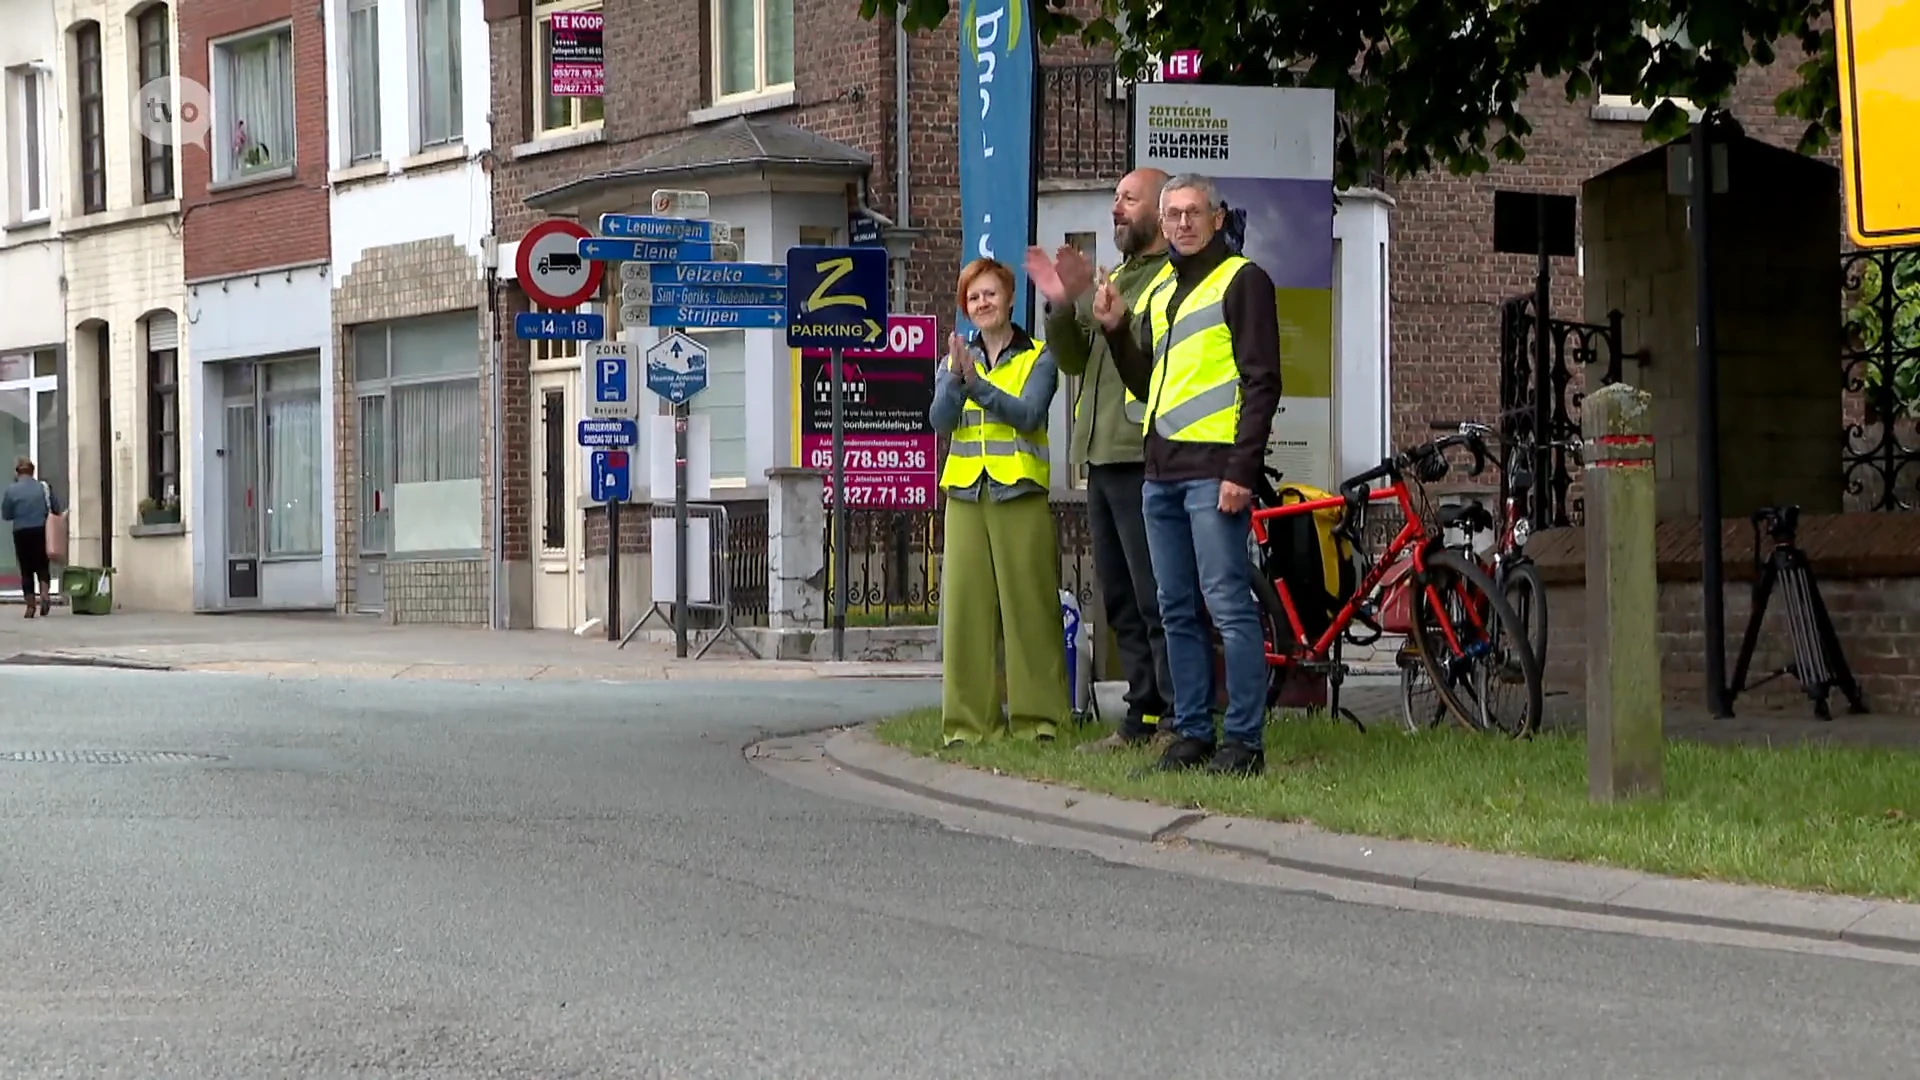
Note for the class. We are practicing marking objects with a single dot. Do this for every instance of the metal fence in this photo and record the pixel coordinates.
(1085, 125)
(1880, 372)
(893, 563)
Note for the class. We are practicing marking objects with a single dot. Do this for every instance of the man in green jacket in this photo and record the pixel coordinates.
(1107, 439)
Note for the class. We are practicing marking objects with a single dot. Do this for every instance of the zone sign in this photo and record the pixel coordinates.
(550, 268)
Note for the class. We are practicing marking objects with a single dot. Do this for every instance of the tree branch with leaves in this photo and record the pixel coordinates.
(1426, 84)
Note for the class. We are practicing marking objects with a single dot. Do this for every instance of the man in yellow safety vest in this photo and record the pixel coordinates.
(1203, 351)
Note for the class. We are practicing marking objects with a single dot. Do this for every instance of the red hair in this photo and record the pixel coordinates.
(972, 272)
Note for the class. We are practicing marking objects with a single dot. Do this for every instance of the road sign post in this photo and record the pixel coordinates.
(837, 299)
(679, 270)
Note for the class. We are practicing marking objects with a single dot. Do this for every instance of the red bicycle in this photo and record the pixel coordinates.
(1465, 633)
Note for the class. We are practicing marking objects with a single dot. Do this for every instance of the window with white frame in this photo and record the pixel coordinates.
(418, 381)
(363, 80)
(724, 402)
(1622, 106)
(753, 46)
(152, 34)
(253, 104)
(571, 107)
(437, 25)
(26, 127)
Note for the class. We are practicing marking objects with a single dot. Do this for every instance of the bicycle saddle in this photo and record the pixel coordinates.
(1472, 517)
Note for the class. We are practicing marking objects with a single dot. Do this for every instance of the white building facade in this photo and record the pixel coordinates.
(411, 205)
(33, 325)
(116, 198)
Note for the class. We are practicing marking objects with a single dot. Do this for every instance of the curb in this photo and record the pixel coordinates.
(1434, 868)
(52, 658)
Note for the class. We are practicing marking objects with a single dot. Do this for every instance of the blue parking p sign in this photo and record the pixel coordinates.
(609, 383)
(612, 476)
(610, 379)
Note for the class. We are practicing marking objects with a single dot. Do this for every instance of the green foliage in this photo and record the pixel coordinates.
(1439, 83)
(1883, 332)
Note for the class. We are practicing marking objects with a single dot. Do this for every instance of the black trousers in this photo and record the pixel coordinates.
(1120, 559)
(30, 552)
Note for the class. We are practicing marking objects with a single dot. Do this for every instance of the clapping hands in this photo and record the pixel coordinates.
(1109, 308)
(1064, 278)
(960, 358)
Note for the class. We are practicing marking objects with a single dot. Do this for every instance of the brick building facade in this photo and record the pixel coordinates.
(257, 275)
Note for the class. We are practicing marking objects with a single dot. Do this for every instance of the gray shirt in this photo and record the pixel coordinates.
(1026, 412)
(26, 503)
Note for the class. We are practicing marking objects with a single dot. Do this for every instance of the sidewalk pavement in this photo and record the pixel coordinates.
(1397, 863)
(334, 646)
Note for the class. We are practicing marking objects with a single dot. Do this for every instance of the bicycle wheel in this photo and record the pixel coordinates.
(1528, 597)
(1274, 629)
(1420, 706)
(1475, 647)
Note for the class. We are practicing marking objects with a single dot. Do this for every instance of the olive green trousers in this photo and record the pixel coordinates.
(1000, 585)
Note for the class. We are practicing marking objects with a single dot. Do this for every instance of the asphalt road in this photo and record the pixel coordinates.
(546, 881)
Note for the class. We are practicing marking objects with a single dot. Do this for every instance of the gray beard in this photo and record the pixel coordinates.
(1131, 239)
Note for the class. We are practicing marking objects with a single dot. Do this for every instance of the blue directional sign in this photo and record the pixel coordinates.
(836, 297)
(651, 251)
(707, 296)
(753, 275)
(609, 432)
(637, 227)
(704, 318)
(569, 326)
(611, 478)
(676, 368)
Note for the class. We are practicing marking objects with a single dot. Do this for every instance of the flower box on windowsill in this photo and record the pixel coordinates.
(159, 513)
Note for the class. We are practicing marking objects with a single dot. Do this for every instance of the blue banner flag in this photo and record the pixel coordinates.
(997, 122)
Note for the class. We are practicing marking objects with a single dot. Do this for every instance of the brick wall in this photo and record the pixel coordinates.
(403, 281)
(1875, 619)
(1446, 280)
(269, 222)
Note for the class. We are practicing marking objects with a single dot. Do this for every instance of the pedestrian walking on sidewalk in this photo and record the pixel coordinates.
(1108, 440)
(27, 504)
(1000, 567)
(1203, 348)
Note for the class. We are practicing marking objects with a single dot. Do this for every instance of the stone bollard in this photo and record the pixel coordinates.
(796, 559)
(1626, 746)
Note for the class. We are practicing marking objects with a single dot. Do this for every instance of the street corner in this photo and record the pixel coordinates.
(1397, 864)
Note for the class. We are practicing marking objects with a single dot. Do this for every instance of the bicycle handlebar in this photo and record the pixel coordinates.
(1420, 457)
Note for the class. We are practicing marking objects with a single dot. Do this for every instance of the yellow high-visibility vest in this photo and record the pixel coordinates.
(1195, 395)
(983, 444)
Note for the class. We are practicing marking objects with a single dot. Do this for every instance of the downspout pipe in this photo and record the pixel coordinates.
(901, 215)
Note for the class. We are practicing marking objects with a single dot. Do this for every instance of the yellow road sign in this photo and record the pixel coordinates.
(1878, 46)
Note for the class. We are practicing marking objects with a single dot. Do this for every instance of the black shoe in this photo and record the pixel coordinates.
(1238, 759)
(1185, 753)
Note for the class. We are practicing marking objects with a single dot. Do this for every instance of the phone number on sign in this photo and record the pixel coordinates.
(885, 496)
(861, 458)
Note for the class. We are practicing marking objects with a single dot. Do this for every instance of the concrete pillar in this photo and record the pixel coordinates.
(1626, 746)
(796, 561)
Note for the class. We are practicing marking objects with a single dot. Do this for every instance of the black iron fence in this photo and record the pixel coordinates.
(893, 563)
(1535, 401)
(1085, 125)
(1880, 372)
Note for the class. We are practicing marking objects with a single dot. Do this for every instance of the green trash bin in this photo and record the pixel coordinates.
(89, 589)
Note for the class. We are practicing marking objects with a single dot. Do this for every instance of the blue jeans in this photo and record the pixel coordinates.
(1200, 554)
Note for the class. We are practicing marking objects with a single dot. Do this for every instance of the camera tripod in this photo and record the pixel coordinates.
(1818, 663)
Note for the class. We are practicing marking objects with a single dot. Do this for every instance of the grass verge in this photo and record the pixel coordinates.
(1827, 819)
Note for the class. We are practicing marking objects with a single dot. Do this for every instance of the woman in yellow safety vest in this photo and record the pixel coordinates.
(1000, 569)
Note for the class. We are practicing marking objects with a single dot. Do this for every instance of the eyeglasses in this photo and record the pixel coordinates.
(1182, 216)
